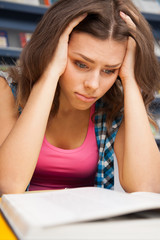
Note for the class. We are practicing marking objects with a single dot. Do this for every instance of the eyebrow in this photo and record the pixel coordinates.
(92, 61)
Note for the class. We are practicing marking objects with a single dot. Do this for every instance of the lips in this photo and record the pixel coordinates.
(85, 98)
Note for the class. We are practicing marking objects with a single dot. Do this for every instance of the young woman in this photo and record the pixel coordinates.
(82, 90)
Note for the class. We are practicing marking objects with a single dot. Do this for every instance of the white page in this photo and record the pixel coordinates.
(71, 205)
(35, 215)
(118, 229)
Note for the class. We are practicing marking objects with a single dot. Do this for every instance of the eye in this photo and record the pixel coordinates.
(106, 71)
(80, 64)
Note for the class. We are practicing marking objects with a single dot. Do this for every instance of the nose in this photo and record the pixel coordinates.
(91, 81)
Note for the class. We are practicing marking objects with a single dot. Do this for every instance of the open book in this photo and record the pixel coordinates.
(38, 215)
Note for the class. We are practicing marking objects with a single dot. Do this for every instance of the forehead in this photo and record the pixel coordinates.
(106, 51)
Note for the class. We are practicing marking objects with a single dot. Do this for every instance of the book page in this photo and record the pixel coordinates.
(75, 205)
(147, 195)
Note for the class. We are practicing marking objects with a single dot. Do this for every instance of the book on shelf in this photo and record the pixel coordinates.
(4, 39)
(148, 6)
(30, 2)
(44, 215)
(48, 2)
(157, 47)
(33, 2)
(41, 2)
(24, 38)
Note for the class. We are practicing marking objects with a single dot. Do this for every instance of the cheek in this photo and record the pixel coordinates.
(71, 78)
(108, 83)
(69, 73)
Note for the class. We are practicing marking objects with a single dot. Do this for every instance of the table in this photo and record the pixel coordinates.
(5, 231)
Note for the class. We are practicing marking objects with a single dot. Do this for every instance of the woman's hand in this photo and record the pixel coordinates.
(135, 147)
(127, 68)
(59, 60)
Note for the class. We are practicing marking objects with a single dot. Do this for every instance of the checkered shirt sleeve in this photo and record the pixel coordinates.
(105, 169)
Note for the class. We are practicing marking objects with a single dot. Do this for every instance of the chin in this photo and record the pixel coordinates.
(83, 107)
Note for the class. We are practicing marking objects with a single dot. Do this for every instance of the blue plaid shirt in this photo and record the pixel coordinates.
(105, 168)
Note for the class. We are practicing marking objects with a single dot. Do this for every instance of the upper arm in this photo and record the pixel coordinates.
(8, 110)
(119, 149)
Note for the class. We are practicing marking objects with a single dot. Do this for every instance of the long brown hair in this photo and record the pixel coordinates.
(103, 21)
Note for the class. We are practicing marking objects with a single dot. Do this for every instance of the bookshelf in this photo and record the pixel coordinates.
(154, 21)
(19, 17)
(16, 18)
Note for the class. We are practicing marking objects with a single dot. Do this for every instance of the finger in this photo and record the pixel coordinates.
(127, 20)
(74, 23)
(131, 43)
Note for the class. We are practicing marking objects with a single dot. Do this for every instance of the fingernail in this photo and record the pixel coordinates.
(122, 14)
(84, 14)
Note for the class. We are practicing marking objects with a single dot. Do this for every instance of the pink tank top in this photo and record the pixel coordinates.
(60, 168)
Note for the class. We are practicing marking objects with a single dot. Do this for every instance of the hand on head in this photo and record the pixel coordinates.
(59, 60)
(127, 68)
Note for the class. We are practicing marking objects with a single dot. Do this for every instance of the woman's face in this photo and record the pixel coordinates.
(92, 68)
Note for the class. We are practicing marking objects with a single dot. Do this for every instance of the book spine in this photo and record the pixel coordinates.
(47, 2)
(32, 2)
(4, 39)
(24, 38)
(41, 2)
